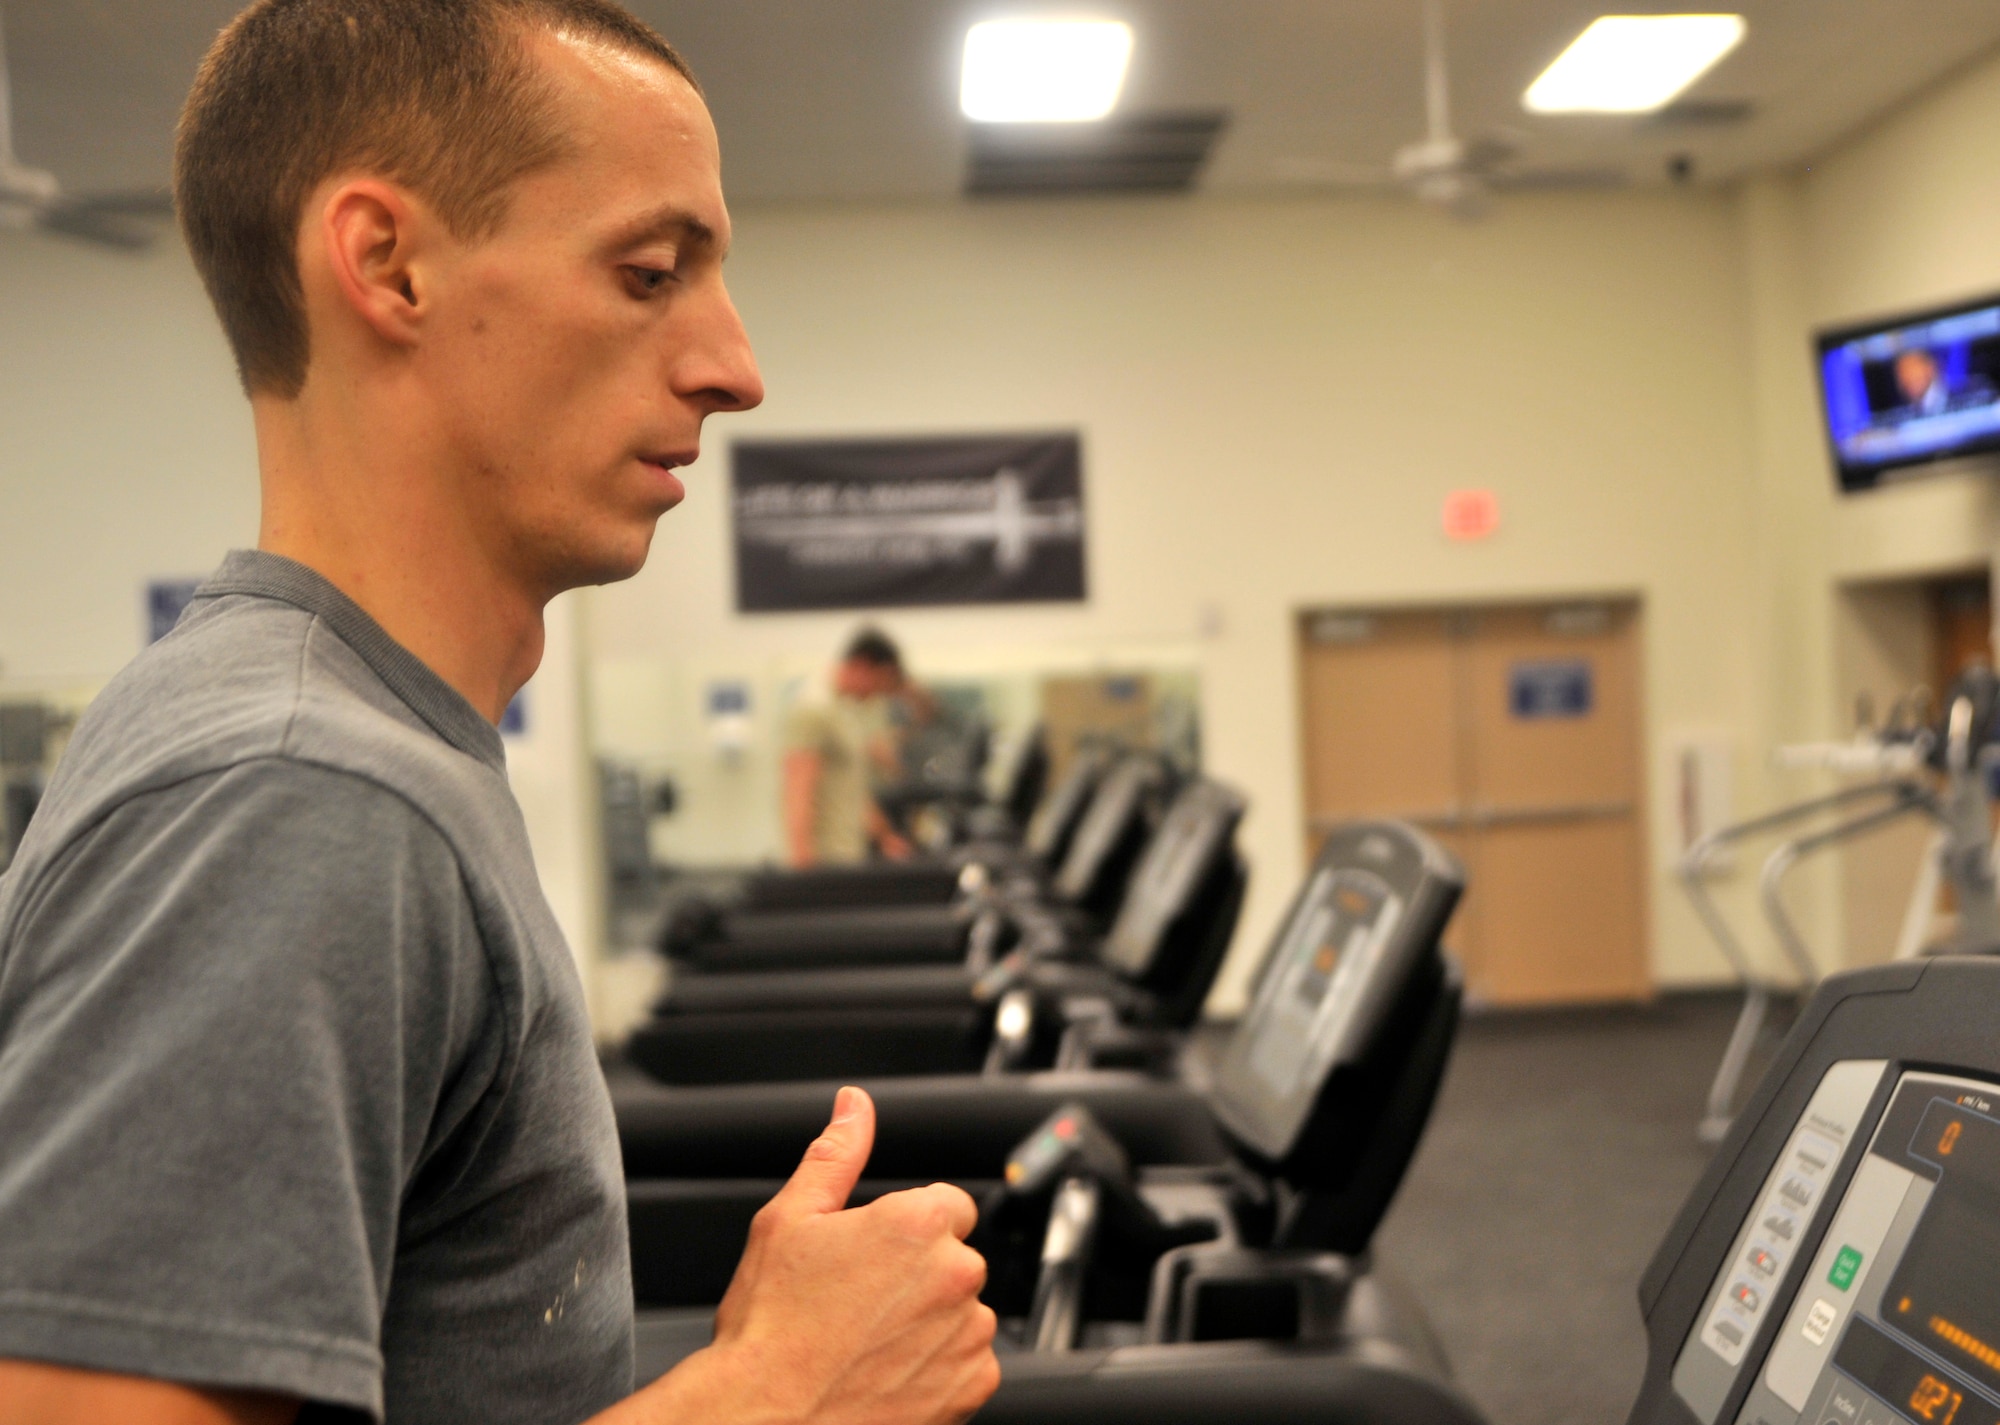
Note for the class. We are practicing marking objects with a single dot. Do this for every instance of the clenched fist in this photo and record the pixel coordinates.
(846, 1316)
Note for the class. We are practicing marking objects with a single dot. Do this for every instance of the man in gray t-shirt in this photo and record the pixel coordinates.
(277, 960)
(300, 1117)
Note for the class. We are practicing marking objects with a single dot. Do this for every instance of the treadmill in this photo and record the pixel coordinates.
(1840, 1259)
(1059, 995)
(1034, 825)
(1230, 1284)
(960, 1125)
(1088, 885)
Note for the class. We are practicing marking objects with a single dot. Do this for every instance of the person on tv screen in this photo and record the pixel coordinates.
(1921, 383)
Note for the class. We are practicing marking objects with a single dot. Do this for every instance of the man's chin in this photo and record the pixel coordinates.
(609, 562)
(618, 570)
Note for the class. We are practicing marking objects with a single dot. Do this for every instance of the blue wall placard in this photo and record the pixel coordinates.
(165, 598)
(514, 721)
(1551, 689)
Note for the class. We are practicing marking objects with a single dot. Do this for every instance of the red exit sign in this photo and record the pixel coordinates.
(1471, 514)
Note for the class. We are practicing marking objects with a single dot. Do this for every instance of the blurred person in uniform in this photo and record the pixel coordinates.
(837, 750)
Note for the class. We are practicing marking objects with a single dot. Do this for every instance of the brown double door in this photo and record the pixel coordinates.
(1512, 735)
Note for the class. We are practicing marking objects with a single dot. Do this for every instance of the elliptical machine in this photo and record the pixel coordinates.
(1943, 772)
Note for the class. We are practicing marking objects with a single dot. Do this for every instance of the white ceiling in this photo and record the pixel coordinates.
(855, 99)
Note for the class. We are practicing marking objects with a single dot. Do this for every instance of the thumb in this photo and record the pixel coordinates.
(833, 1163)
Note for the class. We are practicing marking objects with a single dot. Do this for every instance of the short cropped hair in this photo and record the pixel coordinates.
(873, 647)
(439, 95)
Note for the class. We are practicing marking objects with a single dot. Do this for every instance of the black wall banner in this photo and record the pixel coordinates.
(895, 523)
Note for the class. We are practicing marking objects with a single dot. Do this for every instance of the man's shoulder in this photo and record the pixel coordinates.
(810, 719)
(247, 680)
(222, 685)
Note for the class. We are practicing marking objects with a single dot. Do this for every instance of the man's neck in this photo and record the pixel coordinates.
(377, 525)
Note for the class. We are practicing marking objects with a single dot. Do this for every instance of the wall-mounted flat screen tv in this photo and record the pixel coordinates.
(1911, 392)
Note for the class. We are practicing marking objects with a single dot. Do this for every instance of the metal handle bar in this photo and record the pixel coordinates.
(1694, 862)
(1904, 796)
(1781, 861)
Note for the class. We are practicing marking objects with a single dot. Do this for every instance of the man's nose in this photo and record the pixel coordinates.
(721, 372)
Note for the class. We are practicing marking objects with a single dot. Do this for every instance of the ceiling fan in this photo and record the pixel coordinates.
(1456, 175)
(32, 198)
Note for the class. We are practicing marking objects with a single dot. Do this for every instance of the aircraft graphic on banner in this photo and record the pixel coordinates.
(905, 522)
(1012, 522)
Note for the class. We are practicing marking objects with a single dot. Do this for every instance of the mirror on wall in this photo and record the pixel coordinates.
(690, 754)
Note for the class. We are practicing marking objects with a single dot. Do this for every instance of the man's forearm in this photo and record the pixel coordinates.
(801, 799)
(883, 832)
(712, 1385)
(40, 1391)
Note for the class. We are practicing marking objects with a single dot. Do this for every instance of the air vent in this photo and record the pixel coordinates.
(1702, 114)
(1138, 153)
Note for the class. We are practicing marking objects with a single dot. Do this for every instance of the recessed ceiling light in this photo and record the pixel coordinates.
(1632, 64)
(1043, 71)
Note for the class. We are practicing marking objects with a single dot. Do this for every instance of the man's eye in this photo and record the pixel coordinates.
(647, 280)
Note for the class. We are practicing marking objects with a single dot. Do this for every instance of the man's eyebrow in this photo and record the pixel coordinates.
(670, 221)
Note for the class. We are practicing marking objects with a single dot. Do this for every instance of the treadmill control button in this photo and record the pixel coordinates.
(1764, 1262)
(1843, 1406)
(1873, 1412)
(1781, 1225)
(1814, 1154)
(1819, 1321)
(1747, 1296)
(1798, 1191)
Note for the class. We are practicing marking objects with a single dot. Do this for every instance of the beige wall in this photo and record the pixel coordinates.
(1909, 215)
(1906, 214)
(126, 455)
(125, 451)
(1884, 645)
(1274, 399)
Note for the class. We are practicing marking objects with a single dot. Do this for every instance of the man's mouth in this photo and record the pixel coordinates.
(666, 464)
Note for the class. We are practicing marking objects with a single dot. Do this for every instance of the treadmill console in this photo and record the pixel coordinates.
(1196, 830)
(1054, 821)
(1119, 800)
(1377, 900)
(1069, 1141)
(1896, 1321)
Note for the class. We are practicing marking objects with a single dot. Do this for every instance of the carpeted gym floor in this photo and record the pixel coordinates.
(1562, 1145)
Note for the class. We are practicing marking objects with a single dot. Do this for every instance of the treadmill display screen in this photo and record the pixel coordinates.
(1896, 1320)
(1054, 819)
(1359, 942)
(1946, 1290)
(1111, 812)
(1911, 1385)
(1342, 924)
(1167, 878)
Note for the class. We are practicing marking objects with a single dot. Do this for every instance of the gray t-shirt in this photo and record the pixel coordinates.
(297, 1089)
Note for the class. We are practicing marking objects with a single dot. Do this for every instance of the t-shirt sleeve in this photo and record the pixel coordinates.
(227, 1013)
(808, 728)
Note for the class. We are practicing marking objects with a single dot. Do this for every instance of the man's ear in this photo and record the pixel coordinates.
(372, 234)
